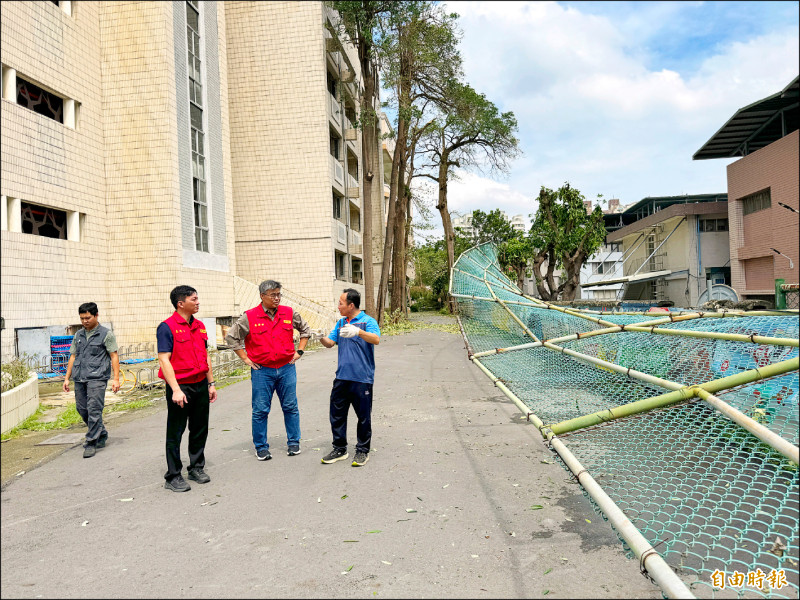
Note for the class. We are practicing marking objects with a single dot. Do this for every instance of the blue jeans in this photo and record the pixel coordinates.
(265, 382)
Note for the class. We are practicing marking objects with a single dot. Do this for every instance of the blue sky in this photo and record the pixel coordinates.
(615, 97)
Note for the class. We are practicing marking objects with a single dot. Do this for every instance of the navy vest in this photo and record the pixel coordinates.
(92, 361)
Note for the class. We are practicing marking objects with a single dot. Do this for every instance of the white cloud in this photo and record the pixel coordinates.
(596, 108)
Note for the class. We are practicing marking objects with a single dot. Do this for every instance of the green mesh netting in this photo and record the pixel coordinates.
(711, 495)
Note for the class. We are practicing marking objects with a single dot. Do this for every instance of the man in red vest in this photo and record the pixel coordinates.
(263, 338)
(186, 368)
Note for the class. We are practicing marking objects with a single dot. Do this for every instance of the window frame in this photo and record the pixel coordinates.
(756, 202)
(201, 225)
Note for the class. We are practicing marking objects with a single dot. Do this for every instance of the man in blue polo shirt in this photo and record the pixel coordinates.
(357, 334)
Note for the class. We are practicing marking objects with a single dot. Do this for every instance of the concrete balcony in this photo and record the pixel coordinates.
(355, 243)
(353, 191)
(336, 112)
(337, 171)
(350, 132)
(339, 233)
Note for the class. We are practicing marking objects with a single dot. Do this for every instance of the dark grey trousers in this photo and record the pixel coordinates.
(90, 399)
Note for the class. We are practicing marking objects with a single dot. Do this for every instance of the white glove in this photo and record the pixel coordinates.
(317, 334)
(348, 331)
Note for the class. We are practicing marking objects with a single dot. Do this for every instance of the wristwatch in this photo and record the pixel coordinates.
(210, 383)
(301, 352)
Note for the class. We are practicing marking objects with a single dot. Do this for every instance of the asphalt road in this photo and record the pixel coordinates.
(442, 509)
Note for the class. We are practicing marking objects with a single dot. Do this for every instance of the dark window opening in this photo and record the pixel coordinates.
(43, 221)
(756, 202)
(707, 225)
(337, 207)
(33, 97)
(331, 85)
(55, 2)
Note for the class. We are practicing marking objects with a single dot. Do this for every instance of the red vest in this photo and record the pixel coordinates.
(270, 342)
(189, 357)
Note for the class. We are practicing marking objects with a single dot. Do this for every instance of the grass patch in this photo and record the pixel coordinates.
(133, 404)
(66, 419)
(397, 324)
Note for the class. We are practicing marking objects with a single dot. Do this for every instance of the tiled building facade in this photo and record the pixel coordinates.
(754, 265)
(763, 192)
(149, 144)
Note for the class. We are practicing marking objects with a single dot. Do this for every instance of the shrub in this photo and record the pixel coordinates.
(14, 372)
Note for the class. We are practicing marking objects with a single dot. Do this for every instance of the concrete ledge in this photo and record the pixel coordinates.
(19, 403)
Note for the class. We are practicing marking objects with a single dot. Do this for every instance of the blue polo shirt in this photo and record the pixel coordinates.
(356, 357)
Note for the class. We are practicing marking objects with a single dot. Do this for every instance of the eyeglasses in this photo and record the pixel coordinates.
(275, 296)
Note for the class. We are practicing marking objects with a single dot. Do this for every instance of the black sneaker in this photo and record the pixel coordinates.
(263, 454)
(294, 450)
(334, 455)
(89, 450)
(199, 475)
(101, 442)
(177, 484)
(360, 459)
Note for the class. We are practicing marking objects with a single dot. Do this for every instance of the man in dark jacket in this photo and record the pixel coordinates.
(92, 356)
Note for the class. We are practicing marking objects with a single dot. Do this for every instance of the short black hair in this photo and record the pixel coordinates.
(353, 297)
(180, 293)
(88, 307)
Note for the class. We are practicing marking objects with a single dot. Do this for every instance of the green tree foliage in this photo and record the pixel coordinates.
(492, 227)
(470, 133)
(564, 236)
(515, 249)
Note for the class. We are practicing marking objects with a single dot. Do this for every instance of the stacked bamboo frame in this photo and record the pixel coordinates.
(651, 561)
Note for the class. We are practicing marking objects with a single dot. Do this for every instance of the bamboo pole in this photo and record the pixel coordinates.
(509, 349)
(763, 433)
(653, 563)
(670, 385)
(678, 395)
(732, 337)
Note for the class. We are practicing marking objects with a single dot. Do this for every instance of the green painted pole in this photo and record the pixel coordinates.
(684, 393)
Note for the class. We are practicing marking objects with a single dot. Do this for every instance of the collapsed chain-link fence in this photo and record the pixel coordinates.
(687, 422)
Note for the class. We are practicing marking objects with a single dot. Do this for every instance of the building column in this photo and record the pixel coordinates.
(3, 213)
(14, 215)
(69, 113)
(73, 226)
(10, 84)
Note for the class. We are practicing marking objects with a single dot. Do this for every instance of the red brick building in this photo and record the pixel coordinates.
(763, 191)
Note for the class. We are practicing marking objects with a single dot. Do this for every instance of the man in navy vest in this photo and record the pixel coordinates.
(357, 334)
(91, 357)
(263, 337)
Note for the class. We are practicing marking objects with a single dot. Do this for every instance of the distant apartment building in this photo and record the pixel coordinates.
(464, 223)
(518, 223)
(763, 191)
(603, 265)
(671, 246)
(151, 144)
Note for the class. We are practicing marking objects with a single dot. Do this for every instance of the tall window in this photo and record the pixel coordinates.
(197, 132)
(337, 207)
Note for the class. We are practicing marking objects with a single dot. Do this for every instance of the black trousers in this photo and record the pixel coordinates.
(359, 395)
(195, 411)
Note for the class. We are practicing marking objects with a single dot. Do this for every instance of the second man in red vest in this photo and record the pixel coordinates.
(263, 338)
